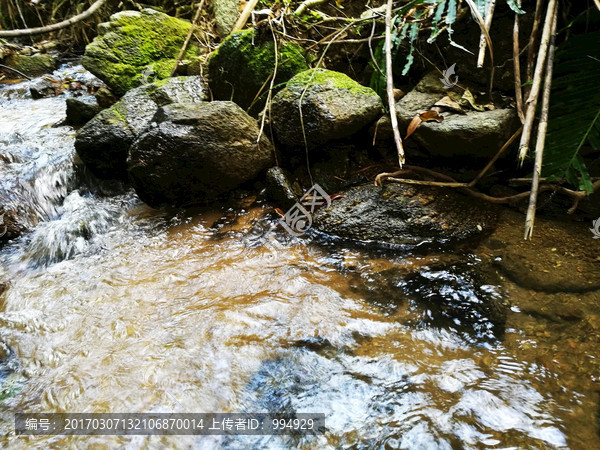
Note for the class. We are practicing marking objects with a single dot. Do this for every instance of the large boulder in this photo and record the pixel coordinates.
(136, 47)
(242, 64)
(103, 143)
(195, 153)
(405, 216)
(473, 134)
(333, 107)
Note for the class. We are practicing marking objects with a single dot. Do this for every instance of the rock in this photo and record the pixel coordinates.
(281, 190)
(226, 13)
(81, 110)
(474, 134)
(243, 62)
(105, 98)
(196, 153)
(135, 48)
(42, 88)
(104, 141)
(333, 107)
(405, 216)
(32, 66)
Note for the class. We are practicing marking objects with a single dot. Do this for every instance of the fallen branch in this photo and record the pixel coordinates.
(537, 81)
(187, 38)
(541, 133)
(54, 27)
(307, 4)
(245, 15)
(390, 82)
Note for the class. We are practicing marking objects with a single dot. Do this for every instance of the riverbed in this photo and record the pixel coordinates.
(116, 307)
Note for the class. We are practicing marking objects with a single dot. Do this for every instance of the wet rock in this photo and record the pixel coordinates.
(32, 66)
(474, 134)
(226, 13)
(104, 141)
(134, 46)
(45, 88)
(333, 107)
(281, 189)
(406, 216)
(105, 98)
(196, 153)
(81, 110)
(240, 66)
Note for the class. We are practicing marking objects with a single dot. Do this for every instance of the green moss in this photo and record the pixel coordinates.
(32, 65)
(239, 68)
(332, 79)
(131, 43)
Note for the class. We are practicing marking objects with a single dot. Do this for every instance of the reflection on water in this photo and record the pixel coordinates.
(114, 307)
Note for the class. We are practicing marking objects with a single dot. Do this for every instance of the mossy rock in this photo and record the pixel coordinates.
(333, 107)
(135, 48)
(33, 65)
(242, 64)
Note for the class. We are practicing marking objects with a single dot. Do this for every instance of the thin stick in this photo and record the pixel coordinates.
(245, 15)
(15, 70)
(307, 4)
(55, 26)
(517, 67)
(541, 134)
(539, 10)
(390, 82)
(537, 81)
(495, 158)
(489, 14)
(485, 33)
(187, 38)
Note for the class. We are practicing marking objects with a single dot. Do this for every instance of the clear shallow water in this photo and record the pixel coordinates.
(115, 307)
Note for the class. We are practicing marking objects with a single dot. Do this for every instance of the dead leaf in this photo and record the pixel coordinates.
(412, 126)
(468, 99)
(431, 115)
(449, 104)
(398, 94)
(428, 116)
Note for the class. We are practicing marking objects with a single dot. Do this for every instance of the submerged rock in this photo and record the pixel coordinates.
(406, 216)
(242, 64)
(136, 47)
(474, 134)
(104, 141)
(196, 153)
(333, 107)
(34, 65)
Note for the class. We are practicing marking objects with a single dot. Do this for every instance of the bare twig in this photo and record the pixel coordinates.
(245, 15)
(541, 133)
(15, 71)
(489, 14)
(390, 82)
(537, 81)
(187, 38)
(307, 4)
(486, 35)
(495, 158)
(539, 11)
(517, 68)
(55, 26)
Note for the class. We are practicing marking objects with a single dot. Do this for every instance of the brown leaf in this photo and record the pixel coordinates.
(448, 104)
(431, 115)
(412, 126)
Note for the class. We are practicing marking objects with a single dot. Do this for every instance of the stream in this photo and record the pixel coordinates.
(116, 307)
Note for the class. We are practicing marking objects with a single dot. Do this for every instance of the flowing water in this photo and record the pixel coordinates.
(115, 307)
